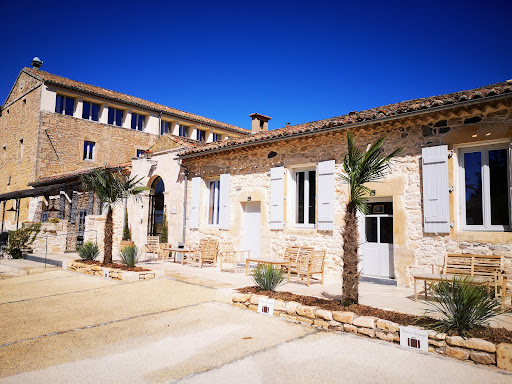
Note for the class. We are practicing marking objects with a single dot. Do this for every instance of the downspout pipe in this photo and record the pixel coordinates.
(182, 243)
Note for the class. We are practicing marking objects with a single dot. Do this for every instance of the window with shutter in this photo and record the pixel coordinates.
(276, 198)
(436, 207)
(195, 196)
(326, 195)
(484, 187)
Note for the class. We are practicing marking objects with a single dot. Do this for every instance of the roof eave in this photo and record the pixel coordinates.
(56, 83)
(352, 125)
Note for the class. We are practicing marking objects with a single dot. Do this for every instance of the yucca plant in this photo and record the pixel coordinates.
(129, 255)
(88, 251)
(463, 306)
(267, 277)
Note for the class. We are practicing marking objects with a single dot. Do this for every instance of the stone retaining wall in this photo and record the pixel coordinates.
(477, 350)
(115, 274)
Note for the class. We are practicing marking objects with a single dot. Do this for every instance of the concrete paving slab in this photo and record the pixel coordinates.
(62, 282)
(98, 301)
(343, 358)
(161, 331)
(155, 349)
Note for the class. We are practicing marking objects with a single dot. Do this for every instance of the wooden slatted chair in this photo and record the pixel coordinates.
(162, 252)
(206, 253)
(228, 255)
(151, 245)
(291, 253)
(310, 261)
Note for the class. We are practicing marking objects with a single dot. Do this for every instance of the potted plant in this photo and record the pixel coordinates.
(127, 233)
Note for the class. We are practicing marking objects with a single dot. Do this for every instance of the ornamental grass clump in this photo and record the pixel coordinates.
(267, 277)
(129, 255)
(463, 306)
(88, 251)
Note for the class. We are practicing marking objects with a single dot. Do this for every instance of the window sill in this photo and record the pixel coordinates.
(483, 237)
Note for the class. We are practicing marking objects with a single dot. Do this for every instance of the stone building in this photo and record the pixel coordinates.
(53, 128)
(448, 191)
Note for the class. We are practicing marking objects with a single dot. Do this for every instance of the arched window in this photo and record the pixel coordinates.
(156, 207)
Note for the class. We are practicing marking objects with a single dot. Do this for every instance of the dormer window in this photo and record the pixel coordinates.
(65, 105)
(138, 121)
(90, 111)
(216, 137)
(200, 135)
(183, 131)
(115, 116)
(165, 127)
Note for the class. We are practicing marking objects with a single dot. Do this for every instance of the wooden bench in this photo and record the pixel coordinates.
(482, 269)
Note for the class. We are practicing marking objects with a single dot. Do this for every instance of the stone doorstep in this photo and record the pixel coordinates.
(476, 350)
(116, 274)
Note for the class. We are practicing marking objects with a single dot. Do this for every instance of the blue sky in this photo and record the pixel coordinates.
(296, 61)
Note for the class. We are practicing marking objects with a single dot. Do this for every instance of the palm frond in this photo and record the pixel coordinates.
(361, 167)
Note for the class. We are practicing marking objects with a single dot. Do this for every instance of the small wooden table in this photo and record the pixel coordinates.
(174, 251)
(258, 261)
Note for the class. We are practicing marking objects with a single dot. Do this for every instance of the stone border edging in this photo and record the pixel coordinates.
(476, 350)
(113, 273)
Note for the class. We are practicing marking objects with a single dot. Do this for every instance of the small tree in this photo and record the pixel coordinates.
(127, 233)
(359, 167)
(111, 187)
(164, 237)
(22, 238)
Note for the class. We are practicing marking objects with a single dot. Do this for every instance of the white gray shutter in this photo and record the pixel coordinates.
(195, 197)
(325, 201)
(224, 201)
(277, 198)
(436, 205)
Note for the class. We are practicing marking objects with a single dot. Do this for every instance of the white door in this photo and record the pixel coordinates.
(251, 228)
(377, 250)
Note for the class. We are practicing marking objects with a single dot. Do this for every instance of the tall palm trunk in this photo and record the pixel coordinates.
(350, 293)
(109, 231)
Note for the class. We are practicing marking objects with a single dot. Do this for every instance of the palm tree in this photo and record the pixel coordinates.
(359, 167)
(110, 187)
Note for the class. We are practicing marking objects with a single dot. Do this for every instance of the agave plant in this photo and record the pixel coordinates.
(129, 255)
(88, 251)
(463, 306)
(267, 277)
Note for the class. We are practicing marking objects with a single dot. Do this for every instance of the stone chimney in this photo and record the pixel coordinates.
(259, 122)
(37, 63)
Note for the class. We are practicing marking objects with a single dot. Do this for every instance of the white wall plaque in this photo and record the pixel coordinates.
(173, 210)
(414, 338)
(266, 306)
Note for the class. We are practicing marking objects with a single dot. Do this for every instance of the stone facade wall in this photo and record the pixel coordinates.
(166, 167)
(51, 238)
(62, 144)
(414, 250)
(19, 120)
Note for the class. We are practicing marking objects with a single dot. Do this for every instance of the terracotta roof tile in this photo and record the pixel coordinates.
(136, 101)
(369, 115)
